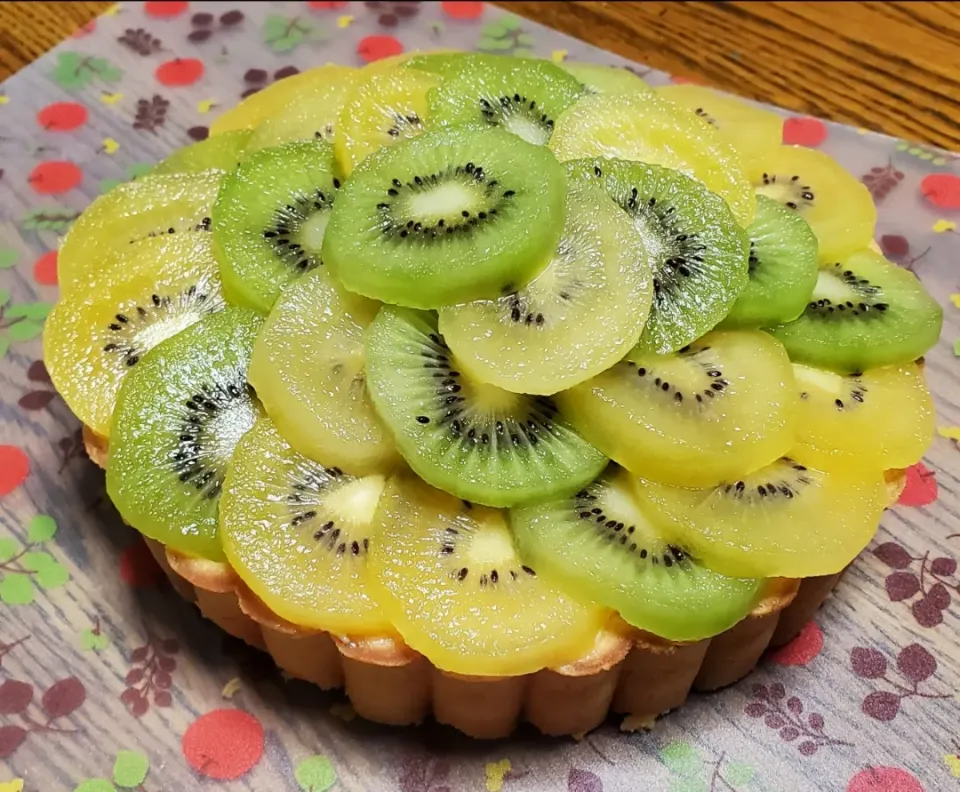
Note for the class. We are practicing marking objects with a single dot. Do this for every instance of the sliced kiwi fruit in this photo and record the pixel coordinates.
(583, 313)
(381, 109)
(474, 440)
(180, 414)
(155, 289)
(784, 520)
(597, 79)
(270, 218)
(646, 128)
(865, 312)
(715, 410)
(845, 420)
(838, 207)
(782, 268)
(298, 534)
(223, 152)
(308, 370)
(454, 215)
(604, 548)
(151, 206)
(524, 97)
(754, 133)
(697, 252)
(450, 579)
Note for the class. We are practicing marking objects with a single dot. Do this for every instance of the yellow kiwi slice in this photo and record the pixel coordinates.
(96, 336)
(597, 79)
(308, 370)
(646, 128)
(832, 200)
(719, 408)
(754, 133)
(784, 520)
(881, 419)
(298, 534)
(450, 579)
(384, 107)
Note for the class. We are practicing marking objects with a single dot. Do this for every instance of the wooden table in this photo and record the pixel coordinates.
(888, 66)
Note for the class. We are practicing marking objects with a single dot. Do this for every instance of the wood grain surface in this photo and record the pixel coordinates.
(893, 67)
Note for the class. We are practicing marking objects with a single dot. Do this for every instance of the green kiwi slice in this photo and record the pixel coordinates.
(598, 79)
(523, 96)
(864, 313)
(270, 218)
(476, 441)
(581, 315)
(698, 253)
(179, 416)
(602, 543)
(222, 152)
(450, 216)
(782, 268)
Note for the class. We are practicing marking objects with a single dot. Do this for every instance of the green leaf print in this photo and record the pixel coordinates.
(49, 218)
(53, 576)
(96, 785)
(681, 759)
(92, 641)
(37, 311)
(24, 330)
(16, 589)
(689, 785)
(8, 549)
(37, 562)
(316, 774)
(738, 774)
(8, 258)
(4, 345)
(41, 528)
(283, 34)
(69, 74)
(130, 769)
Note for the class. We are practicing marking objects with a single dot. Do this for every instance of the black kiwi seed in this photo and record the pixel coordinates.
(799, 194)
(713, 384)
(485, 577)
(786, 486)
(869, 305)
(309, 484)
(500, 111)
(286, 224)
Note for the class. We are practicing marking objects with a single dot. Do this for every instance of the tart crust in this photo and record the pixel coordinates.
(628, 672)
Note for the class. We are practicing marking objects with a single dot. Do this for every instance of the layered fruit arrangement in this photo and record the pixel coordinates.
(479, 353)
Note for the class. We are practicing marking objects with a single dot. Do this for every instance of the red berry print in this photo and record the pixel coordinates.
(884, 779)
(14, 468)
(85, 30)
(942, 190)
(138, 567)
(804, 132)
(62, 116)
(45, 269)
(802, 649)
(373, 48)
(164, 10)
(462, 10)
(678, 79)
(55, 177)
(920, 488)
(326, 6)
(223, 744)
(180, 71)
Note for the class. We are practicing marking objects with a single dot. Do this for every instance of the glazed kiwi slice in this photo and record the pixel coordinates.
(602, 545)
(643, 127)
(523, 96)
(864, 313)
(832, 200)
(148, 207)
(784, 520)
(697, 252)
(449, 577)
(597, 79)
(308, 370)
(582, 314)
(476, 441)
(882, 418)
(715, 410)
(270, 218)
(180, 414)
(94, 339)
(455, 215)
(298, 534)
(223, 152)
(782, 268)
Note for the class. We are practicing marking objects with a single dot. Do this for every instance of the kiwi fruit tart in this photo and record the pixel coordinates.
(492, 388)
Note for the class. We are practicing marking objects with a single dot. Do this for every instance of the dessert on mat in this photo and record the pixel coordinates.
(492, 389)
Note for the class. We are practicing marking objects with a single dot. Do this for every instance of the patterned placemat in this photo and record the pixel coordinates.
(109, 682)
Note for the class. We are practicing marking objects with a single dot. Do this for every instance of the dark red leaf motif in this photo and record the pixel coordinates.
(167, 664)
(881, 705)
(134, 676)
(38, 373)
(775, 721)
(789, 733)
(760, 692)
(231, 18)
(901, 586)
(198, 133)
(941, 566)
(583, 781)
(202, 19)
(255, 76)
(777, 691)
(939, 596)
(15, 697)
(162, 698)
(894, 246)
(286, 71)
(64, 697)
(916, 663)
(36, 400)
(151, 114)
(867, 663)
(808, 748)
(138, 655)
(893, 555)
(794, 705)
(199, 36)
(816, 721)
(162, 680)
(926, 612)
(755, 710)
(139, 707)
(11, 738)
(881, 180)
(140, 41)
